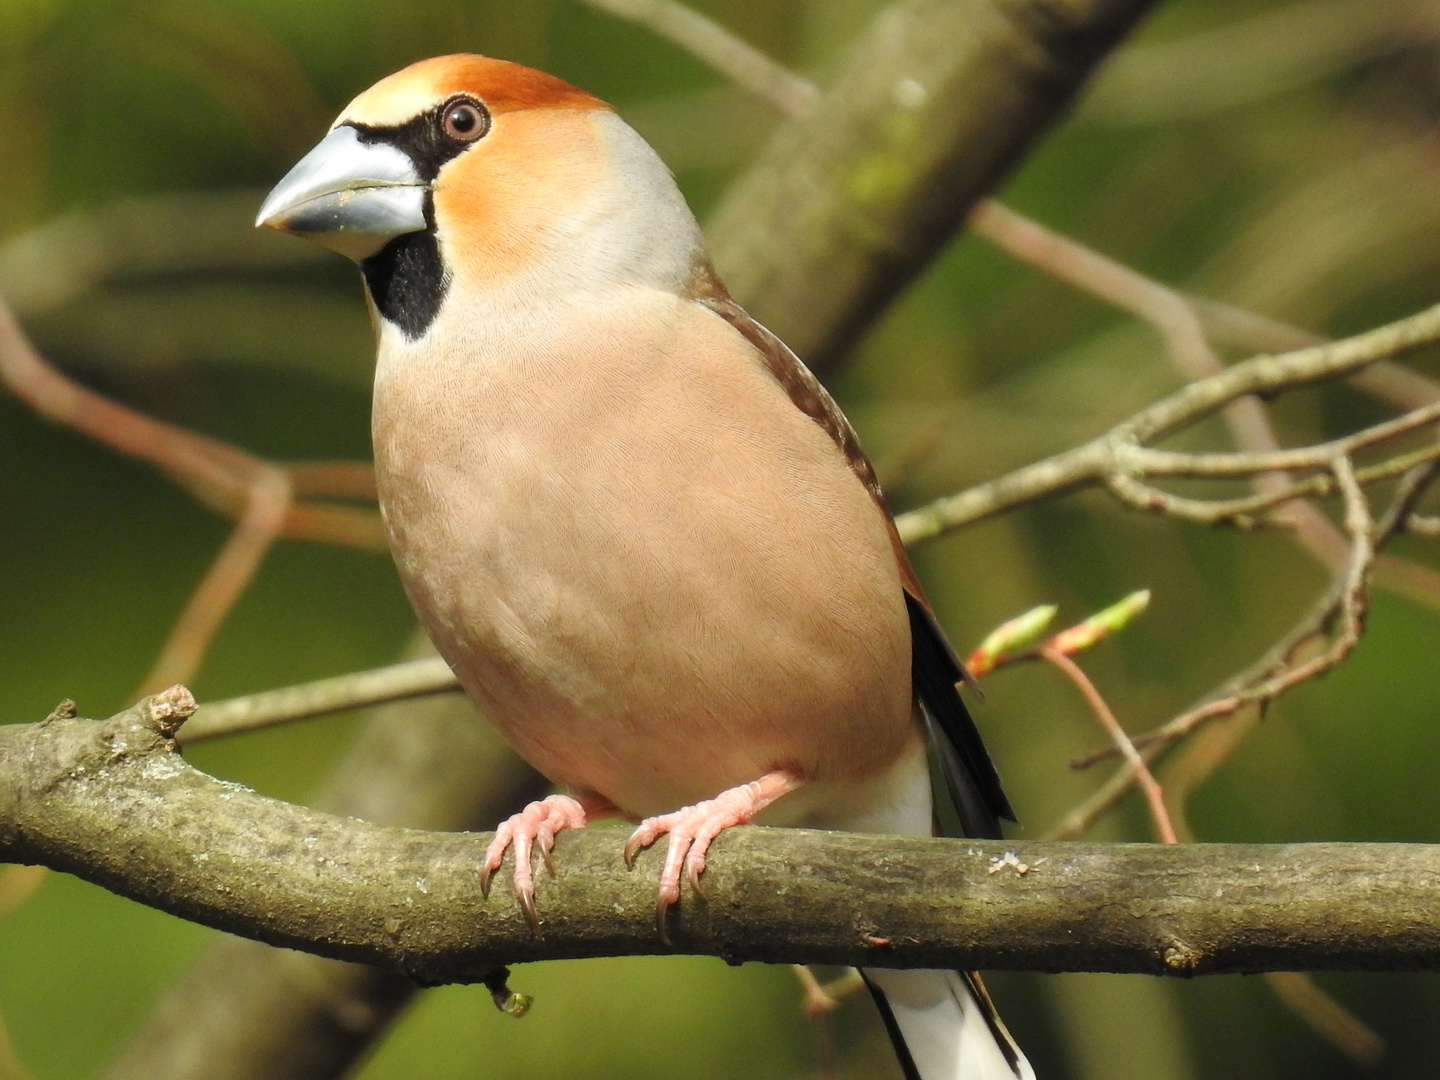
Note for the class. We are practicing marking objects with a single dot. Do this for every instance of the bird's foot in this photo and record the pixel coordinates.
(535, 826)
(692, 828)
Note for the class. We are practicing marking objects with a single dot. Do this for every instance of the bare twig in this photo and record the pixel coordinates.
(1106, 456)
(1169, 463)
(1347, 603)
(1276, 672)
(1247, 512)
(228, 577)
(1143, 776)
(398, 682)
(705, 39)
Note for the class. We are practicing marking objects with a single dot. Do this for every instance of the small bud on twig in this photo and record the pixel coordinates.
(1099, 626)
(1006, 638)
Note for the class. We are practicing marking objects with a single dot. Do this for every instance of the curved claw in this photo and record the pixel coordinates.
(534, 826)
(643, 836)
(527, 905)
(691, 830)
(694, 867)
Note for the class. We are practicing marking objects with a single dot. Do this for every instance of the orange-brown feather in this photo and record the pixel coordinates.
(497, 207)
(503, 87)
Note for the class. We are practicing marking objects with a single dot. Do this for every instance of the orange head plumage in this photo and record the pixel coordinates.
(470, 169)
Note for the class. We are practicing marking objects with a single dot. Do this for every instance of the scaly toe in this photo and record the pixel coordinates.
(535, 826)
(693, 827)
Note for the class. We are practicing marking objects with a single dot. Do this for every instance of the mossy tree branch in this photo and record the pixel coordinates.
(114, 802)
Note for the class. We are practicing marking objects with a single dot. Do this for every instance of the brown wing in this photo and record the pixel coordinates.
(970, 777)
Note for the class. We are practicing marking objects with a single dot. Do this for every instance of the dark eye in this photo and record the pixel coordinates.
(464, 120)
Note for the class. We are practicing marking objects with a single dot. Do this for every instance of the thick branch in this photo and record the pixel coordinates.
(246, 1011)
(114, 802)
(936, 104)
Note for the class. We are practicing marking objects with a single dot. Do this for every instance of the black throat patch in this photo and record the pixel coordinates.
(407, 279)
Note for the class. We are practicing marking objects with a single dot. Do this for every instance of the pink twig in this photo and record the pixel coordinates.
(1154, 795)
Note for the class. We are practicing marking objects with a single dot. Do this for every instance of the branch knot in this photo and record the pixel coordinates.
(166, 711)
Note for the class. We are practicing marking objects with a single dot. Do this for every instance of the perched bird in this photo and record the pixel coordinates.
(635, 525)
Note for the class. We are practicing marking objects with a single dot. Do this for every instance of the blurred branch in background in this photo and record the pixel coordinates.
(1255, 57)
(258, 492)
(940, 101)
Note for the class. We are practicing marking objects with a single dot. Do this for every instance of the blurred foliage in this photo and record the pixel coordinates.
(1281, 156)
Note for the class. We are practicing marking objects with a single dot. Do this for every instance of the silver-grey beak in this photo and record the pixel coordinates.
(350, 196)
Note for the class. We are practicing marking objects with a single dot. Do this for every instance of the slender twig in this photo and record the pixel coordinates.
(1348, 607)
(221, 587)
(1247, 512)
(792, 95)
(398, 682)
(1105, 457)
(1276, 673)
(1143, 776)
(221, 475)
(1318, 456)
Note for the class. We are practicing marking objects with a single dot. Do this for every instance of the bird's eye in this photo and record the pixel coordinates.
(464, 120)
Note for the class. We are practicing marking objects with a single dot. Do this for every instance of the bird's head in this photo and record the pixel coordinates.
(480, 170)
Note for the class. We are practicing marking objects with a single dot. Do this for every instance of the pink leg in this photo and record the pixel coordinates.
(537, 824)
(693, 827)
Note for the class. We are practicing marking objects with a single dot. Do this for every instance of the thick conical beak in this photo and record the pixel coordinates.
(350, 196)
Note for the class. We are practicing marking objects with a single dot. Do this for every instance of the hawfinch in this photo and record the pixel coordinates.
(635, 525)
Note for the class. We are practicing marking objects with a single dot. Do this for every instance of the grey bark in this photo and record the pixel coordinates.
(113, 802)
(246, 1010)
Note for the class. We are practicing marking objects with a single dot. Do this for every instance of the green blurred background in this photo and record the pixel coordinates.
(1279, 156)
